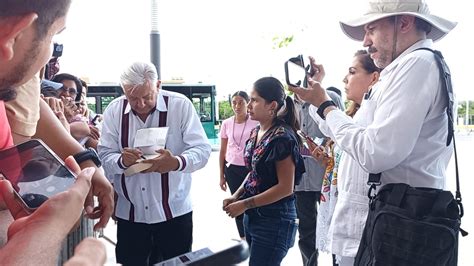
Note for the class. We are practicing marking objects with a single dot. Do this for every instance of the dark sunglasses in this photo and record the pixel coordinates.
(69, 90)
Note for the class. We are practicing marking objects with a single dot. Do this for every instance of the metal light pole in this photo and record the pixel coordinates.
(155, 38)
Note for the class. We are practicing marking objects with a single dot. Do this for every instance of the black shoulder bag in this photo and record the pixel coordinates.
(412, 225)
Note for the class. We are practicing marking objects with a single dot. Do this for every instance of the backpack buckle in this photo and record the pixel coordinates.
(372, 194)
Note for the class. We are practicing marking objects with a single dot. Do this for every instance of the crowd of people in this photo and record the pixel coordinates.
(291, 162)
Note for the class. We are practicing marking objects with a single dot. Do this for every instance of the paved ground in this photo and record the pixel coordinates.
(211, 225)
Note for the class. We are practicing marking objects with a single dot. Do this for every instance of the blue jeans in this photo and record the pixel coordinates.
(270, 231)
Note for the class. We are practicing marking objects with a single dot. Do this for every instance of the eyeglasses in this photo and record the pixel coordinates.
(69, 90)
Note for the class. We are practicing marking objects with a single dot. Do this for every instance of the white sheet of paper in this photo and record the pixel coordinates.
(148, 140)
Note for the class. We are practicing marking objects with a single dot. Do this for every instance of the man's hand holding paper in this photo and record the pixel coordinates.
(164, 163)
(148, 154)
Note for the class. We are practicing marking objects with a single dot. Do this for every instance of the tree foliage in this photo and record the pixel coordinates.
(225, 110)
(280, 42)
(462, 111)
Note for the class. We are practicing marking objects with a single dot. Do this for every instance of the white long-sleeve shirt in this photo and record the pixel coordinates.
(400, 130)
(154, 197)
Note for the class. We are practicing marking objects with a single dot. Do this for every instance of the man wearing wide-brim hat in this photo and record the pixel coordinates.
(401, 128)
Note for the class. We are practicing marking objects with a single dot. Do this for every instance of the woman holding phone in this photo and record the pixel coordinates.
(332, 234)
(273, 156)
(235, 131)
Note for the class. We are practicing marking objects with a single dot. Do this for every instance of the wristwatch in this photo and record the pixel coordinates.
(88, 154)
(323, 106)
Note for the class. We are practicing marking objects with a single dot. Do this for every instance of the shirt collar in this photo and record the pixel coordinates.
(426, 43)
(160, 104)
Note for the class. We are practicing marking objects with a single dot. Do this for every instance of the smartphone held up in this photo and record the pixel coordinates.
(297, 71)
(35, 173)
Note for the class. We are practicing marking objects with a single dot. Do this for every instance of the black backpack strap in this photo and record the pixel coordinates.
(445, 76)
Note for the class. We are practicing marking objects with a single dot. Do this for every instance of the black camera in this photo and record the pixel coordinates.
(58, 50)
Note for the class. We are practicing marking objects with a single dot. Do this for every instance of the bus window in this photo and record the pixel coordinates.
(202, 97)
(91, 103)
(105, 100)
(203, 105)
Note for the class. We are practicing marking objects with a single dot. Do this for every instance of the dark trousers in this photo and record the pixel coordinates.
(307, 211)
(147, 244)
(234, 176)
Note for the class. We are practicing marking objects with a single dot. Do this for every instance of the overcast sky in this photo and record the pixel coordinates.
(230, 43)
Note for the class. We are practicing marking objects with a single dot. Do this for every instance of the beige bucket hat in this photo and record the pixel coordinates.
(378, 9)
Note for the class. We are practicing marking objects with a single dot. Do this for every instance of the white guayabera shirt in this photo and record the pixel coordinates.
(154, 197)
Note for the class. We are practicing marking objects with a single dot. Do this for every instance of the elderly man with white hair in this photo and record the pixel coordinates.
(154, 210)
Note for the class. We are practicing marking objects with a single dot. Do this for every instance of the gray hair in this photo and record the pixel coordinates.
(139, 73)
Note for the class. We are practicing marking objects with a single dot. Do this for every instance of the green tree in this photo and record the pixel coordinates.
(462, 111)
(225, 110)
(281, 41)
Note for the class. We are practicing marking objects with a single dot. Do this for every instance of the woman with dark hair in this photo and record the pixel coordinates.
(72, 86)
(70, 93)
(362, 74)
(235, 131)
(272, 154)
